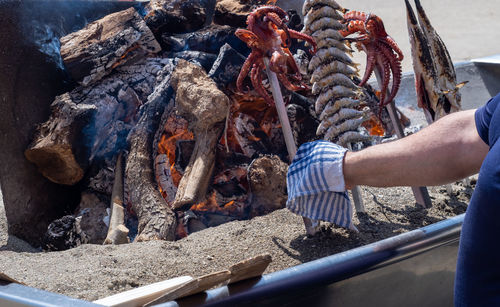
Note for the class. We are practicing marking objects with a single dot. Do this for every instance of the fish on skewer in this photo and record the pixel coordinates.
(435, 77)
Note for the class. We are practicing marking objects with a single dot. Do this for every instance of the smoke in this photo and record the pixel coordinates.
(44, 22)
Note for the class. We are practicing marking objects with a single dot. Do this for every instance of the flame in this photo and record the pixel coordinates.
(374, 126)
(210, 205)
(176, 128)
(255, 107)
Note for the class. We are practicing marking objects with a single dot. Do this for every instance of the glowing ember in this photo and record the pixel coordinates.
(176, 128)
(233, 207)
(374, 126)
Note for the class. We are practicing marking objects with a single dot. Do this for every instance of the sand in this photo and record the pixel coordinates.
(93, 271)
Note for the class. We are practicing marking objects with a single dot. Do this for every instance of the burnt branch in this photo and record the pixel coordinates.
(156, 220)
(94, 51)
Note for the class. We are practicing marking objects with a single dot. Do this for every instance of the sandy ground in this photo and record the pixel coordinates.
(95, 271)
(89, 272)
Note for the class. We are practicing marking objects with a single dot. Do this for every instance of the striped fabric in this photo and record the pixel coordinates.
(315, 184)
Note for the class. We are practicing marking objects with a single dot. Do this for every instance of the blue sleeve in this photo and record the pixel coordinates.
(483, 118)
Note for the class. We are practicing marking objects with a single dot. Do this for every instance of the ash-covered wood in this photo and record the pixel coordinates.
(57, 147)
(208, 39)
(156, 220)
(226, 67)
(200, 101)
(94, 51)
(92, 214)
(205, 60)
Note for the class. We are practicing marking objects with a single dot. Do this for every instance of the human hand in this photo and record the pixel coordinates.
(315, 183)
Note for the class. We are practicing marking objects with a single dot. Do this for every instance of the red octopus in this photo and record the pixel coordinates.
(268, 36)
(381, 50)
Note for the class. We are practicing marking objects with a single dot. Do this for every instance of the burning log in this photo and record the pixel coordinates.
(94, 51)
(200, 101)
(156, 220)
(117, 232)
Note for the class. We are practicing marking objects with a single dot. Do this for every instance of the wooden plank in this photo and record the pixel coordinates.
(143, 295)
(249, 268)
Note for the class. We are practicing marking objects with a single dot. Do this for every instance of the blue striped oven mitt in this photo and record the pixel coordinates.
(315, 183)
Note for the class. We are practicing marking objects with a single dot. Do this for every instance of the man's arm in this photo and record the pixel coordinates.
(447, 150)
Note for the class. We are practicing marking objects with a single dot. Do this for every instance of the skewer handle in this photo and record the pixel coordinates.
(282, 114)
(310, 225)
(420, 193)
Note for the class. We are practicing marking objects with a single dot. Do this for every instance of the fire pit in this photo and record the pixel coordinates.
(162, 143)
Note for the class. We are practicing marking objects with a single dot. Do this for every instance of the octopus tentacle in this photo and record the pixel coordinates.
(304, 37)
(289, 85)
(293, 65)
(245, 69)
(394, 47)
(370, 64)
(266, 9)
(395, 67)
(353, 27)
(248, 37)
(386, 78)
(256, 77)
(355, 15)
(275, 19)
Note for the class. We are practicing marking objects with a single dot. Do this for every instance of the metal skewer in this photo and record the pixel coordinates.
(311, 226)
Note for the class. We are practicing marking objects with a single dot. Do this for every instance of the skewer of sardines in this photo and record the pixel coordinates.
(331, 71)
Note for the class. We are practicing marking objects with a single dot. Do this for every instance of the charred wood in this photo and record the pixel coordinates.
(303, 118)
(92, 212)
(205, 60)
(176, 16)
(234, 12)
(208, 39)
(164, 178)
(63, 234)
(205, 107)
(226, 67)
(94, 51)
(156, 219)
(183, 152)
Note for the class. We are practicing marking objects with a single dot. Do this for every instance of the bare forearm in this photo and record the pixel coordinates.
(443, 152)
